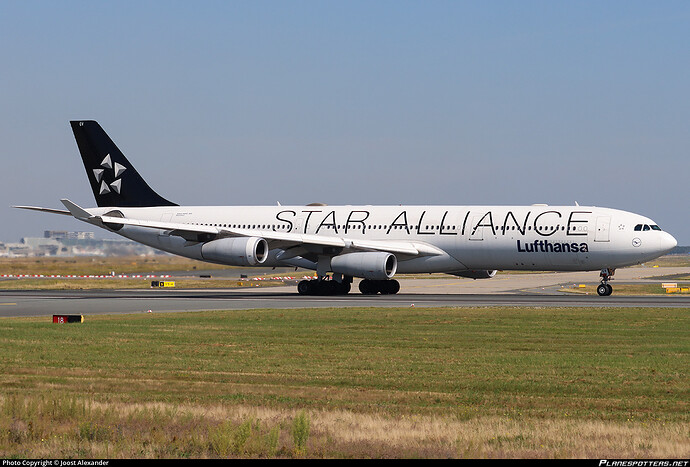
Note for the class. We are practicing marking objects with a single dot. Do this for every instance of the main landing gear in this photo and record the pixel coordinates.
(605, 288)
(326, 286)
(384, 287)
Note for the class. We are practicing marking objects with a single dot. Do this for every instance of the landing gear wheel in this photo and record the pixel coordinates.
(367, 287)
(323, 287)
(604, 290)
(384, 287)
(304, 287)
(390, 287)
(344, 288)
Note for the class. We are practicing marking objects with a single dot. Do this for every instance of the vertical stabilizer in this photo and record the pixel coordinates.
(114, 181)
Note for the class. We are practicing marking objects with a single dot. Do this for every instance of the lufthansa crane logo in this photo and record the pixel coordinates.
(102, 176)
(636, 242)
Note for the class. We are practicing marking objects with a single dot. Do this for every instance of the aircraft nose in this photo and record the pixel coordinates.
(667, 242)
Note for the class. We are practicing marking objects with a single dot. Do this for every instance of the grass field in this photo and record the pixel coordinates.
(120, 265)
(410, 382)
(671, 261)
(103, 265)
(117, 283)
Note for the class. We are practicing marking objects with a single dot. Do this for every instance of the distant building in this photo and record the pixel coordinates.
(42, 246)
(15, 249)
(64, 243)
(65, 235)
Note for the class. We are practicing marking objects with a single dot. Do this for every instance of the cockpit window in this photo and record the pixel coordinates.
(646, 227)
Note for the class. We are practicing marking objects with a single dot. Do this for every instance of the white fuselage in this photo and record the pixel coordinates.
(554, 238)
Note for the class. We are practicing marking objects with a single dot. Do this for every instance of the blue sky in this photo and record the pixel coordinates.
(391, 102)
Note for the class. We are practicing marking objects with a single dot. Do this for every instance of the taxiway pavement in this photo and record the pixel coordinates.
(540, 289)
(514, 289)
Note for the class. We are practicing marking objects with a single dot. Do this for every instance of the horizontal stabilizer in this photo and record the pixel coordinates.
(50, 210)
(75, 210)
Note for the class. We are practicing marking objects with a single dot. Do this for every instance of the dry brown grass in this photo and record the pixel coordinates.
(119, 429)
(102, 265)
(125, 265)
(118, 283)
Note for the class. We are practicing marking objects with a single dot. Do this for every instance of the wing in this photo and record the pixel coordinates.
(290, 242)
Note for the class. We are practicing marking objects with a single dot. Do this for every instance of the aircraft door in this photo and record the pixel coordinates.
(476, 227)
(476, 230)
(299, 223)
(602, 229)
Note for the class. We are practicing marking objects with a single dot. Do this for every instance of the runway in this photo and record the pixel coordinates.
(95, 302)
(541, 289)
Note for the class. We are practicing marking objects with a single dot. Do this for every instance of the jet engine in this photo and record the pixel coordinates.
(369, 265)
(476, 273)
(236, 251)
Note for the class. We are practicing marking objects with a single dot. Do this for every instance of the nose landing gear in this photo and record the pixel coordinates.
(604, 289)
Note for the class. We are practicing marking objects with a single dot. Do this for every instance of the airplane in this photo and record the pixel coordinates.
(373, 243)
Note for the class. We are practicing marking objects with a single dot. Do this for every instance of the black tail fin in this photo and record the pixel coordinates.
(113, 179)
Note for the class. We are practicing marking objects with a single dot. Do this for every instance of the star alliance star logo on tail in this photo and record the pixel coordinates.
(99, 174)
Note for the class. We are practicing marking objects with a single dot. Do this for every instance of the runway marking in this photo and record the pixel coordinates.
(8, 304)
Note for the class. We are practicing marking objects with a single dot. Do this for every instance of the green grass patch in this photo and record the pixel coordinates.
(489, 359)
(670, 261)
(616, 366)
(672, 277)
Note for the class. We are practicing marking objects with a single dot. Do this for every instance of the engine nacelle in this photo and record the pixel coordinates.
(476, 274)
(368, 265)
(236, 251)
